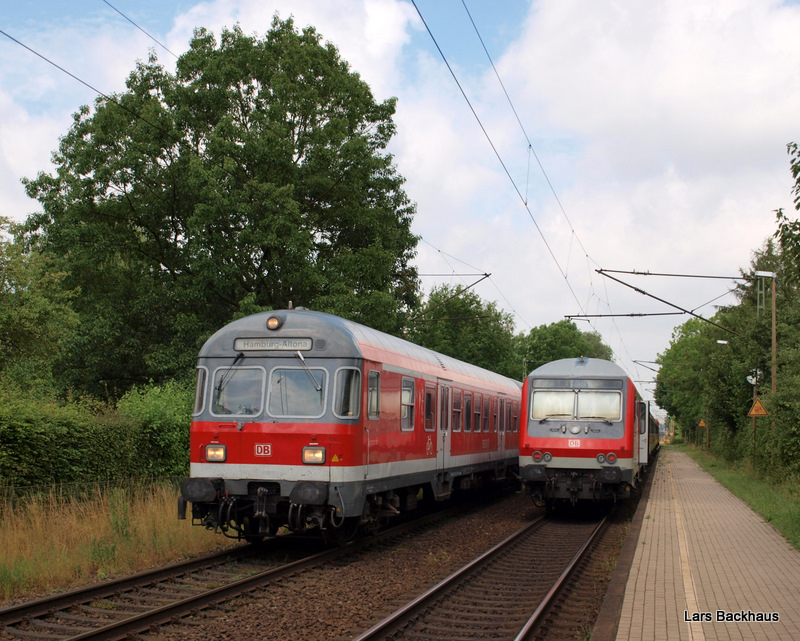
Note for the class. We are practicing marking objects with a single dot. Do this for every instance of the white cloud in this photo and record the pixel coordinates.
(662, 127)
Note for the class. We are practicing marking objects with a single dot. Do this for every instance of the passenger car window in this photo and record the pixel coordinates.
(407, 405)
(456, 426)
(430, 408)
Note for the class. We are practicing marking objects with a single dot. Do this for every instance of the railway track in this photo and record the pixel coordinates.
(120, 609)
(500, 595)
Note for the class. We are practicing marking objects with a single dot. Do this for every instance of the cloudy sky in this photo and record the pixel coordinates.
(625, 135)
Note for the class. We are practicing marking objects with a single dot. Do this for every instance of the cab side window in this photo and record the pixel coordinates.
(347, 403)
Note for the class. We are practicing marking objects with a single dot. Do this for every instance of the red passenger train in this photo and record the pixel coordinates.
(307, 420)
(587, 435)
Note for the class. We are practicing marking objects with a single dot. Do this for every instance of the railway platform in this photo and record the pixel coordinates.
(704, 567)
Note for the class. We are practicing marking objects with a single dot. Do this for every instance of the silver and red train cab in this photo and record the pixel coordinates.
(307, 420)
(587, 432)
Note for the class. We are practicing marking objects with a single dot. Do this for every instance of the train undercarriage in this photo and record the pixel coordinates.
(337, 512)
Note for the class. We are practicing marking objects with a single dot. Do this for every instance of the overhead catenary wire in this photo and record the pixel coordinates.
(563, 271)
(558, 201)
(480, 272)
(163, 46)
(661, 300)
(508, 174)
(497, 155)
(524, 132)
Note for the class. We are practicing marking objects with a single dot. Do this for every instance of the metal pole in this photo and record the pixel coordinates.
(755, 396)
(774, 367)
(774, 342)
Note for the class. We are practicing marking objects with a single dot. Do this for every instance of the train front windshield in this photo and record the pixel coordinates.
(297, 392)
(283, 392)
(576, 405)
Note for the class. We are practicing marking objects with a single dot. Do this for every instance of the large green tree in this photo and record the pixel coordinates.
(253, 177)
(559, 340)
(36, 317)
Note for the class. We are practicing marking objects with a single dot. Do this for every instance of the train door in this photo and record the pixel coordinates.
(644, 432)
(500, 422)
(443, 427)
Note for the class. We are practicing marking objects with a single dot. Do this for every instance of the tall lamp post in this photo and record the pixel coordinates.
(774, 278)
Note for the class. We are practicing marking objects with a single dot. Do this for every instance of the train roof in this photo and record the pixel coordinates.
(579, 368)
(335, 337)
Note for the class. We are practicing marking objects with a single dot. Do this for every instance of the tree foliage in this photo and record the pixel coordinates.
(253, 177)
(456, 322)
(704, 379)
(36, 316)
(559, 340)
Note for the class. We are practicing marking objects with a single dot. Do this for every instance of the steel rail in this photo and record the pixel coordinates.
(30, 609)
(138, 623)
(551, 594)
(420, 602)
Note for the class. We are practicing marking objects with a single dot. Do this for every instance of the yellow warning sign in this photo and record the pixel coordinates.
(702, 422)
(758, 409)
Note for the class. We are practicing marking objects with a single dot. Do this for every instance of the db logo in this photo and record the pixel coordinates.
(574, 442)
(263, 449)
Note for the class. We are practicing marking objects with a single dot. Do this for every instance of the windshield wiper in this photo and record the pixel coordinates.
(308, 369)
(224, 379)
(596, 418)
(548, 416)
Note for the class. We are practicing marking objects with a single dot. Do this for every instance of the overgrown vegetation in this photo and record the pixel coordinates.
(52, 542)
(710, 372)
(50, 441)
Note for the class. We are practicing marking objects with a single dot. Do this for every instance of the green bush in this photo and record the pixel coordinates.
(163, 414)
(45, 442)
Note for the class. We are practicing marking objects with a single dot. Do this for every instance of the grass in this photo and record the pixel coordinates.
(51, 544)
(777, 503)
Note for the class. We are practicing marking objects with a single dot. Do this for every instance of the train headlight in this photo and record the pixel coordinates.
(313, 455)
(216, 453)
(611, 458)
(601, 458)
(548, 457)
(274, 322)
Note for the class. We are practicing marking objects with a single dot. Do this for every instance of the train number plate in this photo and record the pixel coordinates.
(263, 449)
(574, 442)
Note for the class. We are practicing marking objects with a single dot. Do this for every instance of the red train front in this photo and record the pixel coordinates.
(304, 419)
(587, 433)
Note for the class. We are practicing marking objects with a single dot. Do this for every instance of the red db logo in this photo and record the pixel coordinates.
(263, 449)
(574, 442)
